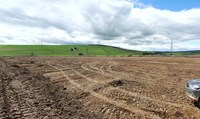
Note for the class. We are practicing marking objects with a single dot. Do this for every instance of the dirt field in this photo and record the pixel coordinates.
(97, 87)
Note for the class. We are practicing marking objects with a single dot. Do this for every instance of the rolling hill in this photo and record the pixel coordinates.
(64, 50)
(80, 50)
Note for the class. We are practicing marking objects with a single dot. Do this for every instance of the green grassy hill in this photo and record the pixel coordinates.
(192, 52)
(64, 50)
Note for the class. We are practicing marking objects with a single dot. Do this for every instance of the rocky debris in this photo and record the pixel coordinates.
(116, 83)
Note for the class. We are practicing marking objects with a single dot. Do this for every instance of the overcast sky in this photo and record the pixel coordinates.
(131, 24)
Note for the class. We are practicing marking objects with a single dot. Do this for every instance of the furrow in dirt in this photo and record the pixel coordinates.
(106, 99)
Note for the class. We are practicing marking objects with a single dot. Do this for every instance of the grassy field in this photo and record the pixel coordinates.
(64, 50)
(79, 50)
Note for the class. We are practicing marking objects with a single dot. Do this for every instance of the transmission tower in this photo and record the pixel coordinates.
(172, 48)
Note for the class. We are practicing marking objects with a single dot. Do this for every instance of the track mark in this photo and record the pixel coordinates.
(106, 99)
(131, 93)
(6, 107)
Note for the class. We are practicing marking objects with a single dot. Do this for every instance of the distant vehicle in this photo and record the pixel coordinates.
(193, 90)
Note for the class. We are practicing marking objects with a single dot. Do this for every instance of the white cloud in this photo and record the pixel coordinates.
(123, 23)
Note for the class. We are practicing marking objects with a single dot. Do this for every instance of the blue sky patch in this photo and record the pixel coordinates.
(173, 5)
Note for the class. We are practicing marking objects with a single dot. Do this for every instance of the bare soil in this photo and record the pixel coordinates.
(97, 87)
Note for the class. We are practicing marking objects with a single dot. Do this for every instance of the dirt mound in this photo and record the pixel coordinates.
(116, 83)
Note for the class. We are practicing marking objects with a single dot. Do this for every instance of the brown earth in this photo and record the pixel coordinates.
(97, 87)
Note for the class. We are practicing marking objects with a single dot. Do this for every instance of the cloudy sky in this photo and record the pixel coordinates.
(131, 24)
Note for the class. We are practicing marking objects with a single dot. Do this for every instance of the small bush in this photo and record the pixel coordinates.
(32, 54)
(129, 55)
(80, 54)
(73, 49)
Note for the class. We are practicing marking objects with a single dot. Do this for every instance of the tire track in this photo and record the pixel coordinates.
(147, 83)
(110, 70)
(125, 91)
(106, 99)
(8, 94)
(103, 74)
(20, 100)
(103, 71)
(5, 100)
(159, 108)
(85, 66)
(129, 92)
